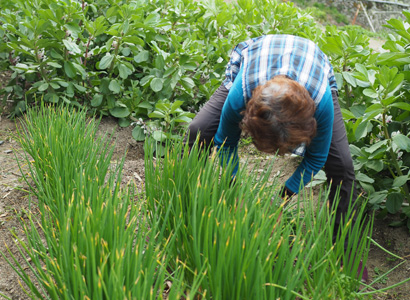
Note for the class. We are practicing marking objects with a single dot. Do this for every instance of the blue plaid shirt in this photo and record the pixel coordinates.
(264, 57)
(258, 60)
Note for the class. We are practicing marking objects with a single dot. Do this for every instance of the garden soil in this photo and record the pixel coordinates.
(14, 203)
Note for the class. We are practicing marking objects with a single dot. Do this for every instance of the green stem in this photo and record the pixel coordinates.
(117, 47)
(391, 171)
(393, 154)
(42, 70)
(347, 91)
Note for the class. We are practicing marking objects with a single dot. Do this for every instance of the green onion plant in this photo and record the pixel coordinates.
(91, 239)
(239, 235)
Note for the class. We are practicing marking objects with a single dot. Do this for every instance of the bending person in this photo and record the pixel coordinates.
(282, 91)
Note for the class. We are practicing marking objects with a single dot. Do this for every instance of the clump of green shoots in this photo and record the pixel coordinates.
(90, 239)
(240, 236)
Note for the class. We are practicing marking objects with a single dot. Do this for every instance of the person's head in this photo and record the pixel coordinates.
(279, 116)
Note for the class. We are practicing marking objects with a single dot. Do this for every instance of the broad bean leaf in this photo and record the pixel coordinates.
(81, 70)
(362, 130)
(79, 87)
(152, 19)
(114, 86)
(163, 107)
(146, 80)
(401, 105)
(159, 135)
(364, 178)
(399, 27)
(97, 100)
(372, 111)
(393, 59)
(377, 197)
(396, 83)
(400, 180)
(120, 112)
(106, 61)
(72, 47)
(349, 78)
(376, 165)
(183, 119)
(376, 146)
(157, 84)
(388, 101)
(142, 56)
(369, 92)
(358, 110)
(69, 69)
(177, 104)
(54, 64)
(124, 71)
(347, 114)
(138, 133)
(339, 79)
(379, 153)
(187, 83)
(156, 114)
(394, 202)
(402, 141)
(124, 122)
(51, 97)
(354, 150)
(43, 87)
(170, 71)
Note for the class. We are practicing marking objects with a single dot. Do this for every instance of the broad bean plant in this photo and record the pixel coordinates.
(120, 57)
(152, 64)
(374, 93)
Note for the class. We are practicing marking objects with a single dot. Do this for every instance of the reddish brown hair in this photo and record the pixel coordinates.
(279, 116)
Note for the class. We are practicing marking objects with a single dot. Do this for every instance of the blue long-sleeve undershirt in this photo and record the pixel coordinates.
(229, 133)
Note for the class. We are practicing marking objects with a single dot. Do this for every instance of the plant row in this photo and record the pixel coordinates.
(122, 57)
(153, 63)
(191, 235)
(374, 93)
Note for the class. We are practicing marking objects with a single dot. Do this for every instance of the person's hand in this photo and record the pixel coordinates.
(286, 194)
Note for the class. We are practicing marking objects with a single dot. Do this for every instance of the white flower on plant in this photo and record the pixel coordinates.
(394, 133)
(40, 54)
(399, 154)
(388, 118)
(140, 121)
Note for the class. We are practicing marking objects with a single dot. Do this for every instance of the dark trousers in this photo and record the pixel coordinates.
(338, 167)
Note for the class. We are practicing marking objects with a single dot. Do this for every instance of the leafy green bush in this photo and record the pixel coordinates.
(120, 58)
(381, 34)
(373, 96)
(325, 13)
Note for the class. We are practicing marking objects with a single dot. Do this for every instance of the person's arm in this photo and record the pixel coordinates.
(229, 132)
(318, 150)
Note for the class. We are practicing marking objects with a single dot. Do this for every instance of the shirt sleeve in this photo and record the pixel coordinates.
(318, 150)
(229, 132)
